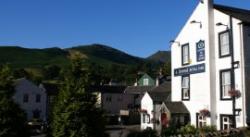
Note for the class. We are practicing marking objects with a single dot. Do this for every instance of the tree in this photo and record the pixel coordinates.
(12, 117)
(75, 113)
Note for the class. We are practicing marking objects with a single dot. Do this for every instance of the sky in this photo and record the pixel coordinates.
(137, 27)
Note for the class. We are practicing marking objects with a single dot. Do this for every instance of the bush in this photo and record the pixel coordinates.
(144, 133)
(166, 132)
(207, 129)
(188, 129)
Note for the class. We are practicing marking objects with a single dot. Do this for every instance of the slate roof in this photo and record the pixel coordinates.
(107, 89)
(241, 14)
(159, 97)
(138, 89)
(176, 107)
(164, 87)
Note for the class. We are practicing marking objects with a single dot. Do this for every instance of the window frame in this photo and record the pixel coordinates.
(182, 57)
(230, 117)
(38, 98)
(203, 121)
(182, 89)
(145, 81)
(222, 97)
(219, 42)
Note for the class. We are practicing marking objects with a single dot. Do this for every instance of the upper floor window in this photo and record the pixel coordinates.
(224, 44)
(225, 86)
(185, 88)
(185, 54)
(145, 82)
(25, 98)
(38, 98)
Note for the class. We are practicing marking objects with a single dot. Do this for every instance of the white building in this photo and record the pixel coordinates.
(210, 65)
(31, 98)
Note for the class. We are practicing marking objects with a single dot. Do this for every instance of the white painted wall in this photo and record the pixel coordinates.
(24, 86)
(205, 87)
(147, 104)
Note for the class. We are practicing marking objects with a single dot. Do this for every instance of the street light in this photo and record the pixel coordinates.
(196, 22)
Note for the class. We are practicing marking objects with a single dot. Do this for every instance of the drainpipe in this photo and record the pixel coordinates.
(232, 67)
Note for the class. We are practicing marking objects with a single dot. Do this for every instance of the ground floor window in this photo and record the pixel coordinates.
(201, 120)
(145, 118)
(226, 122)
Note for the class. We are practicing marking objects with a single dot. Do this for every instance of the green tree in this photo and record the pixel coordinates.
(75, 113)
(12, 117)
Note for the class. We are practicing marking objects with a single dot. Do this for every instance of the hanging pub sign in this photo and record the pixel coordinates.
(200, 50)
(190, 70)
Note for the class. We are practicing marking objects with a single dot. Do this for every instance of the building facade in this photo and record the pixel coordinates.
(32, 99)
(210, 66)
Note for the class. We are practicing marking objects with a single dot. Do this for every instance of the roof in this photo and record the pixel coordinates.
(176, 108)
(138, 89)
(107, 89)
(159, 97)
(164, 87)
(241, 14)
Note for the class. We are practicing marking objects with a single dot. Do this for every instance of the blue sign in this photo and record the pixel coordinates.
(190, 70)
(200, 50)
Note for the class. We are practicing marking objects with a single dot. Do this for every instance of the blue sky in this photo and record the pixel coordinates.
(138, 27)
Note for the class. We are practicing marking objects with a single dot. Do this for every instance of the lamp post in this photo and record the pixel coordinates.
(230, 29)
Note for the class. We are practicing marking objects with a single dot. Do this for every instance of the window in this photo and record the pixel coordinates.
(226, 122)
(25, 98)
(201, 121)
(108, 98)
(185, 54)
(36, 114)
(145, 82)
(185, 87)
(38, 98)
(145, 118)
(224, 44)
(225, 79)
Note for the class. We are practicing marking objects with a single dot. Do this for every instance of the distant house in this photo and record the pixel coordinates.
(157, 110)
(31, 98)
(146, 80)
(152, 102)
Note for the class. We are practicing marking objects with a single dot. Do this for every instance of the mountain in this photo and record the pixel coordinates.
(19, 57)
(101, 53)
(160, 56)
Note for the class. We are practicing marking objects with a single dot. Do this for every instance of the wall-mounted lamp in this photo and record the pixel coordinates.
(237, 111)
(201, 1)
(221, 24)
(173, 41)
(196, 22)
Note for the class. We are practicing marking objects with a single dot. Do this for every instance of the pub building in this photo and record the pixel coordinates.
(211, 66)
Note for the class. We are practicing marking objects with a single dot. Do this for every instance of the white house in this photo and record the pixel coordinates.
(158, 111)
(31, 98)
(210, 66)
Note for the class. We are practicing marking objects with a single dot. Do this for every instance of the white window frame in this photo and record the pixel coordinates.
(145, 81)
(202, 121)
(185, 54)
(226, 76)
(185, 86)
(226, 122)
(224, 44)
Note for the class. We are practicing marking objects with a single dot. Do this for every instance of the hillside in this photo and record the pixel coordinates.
(104, 54)
(19, 57)
(161, 56)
